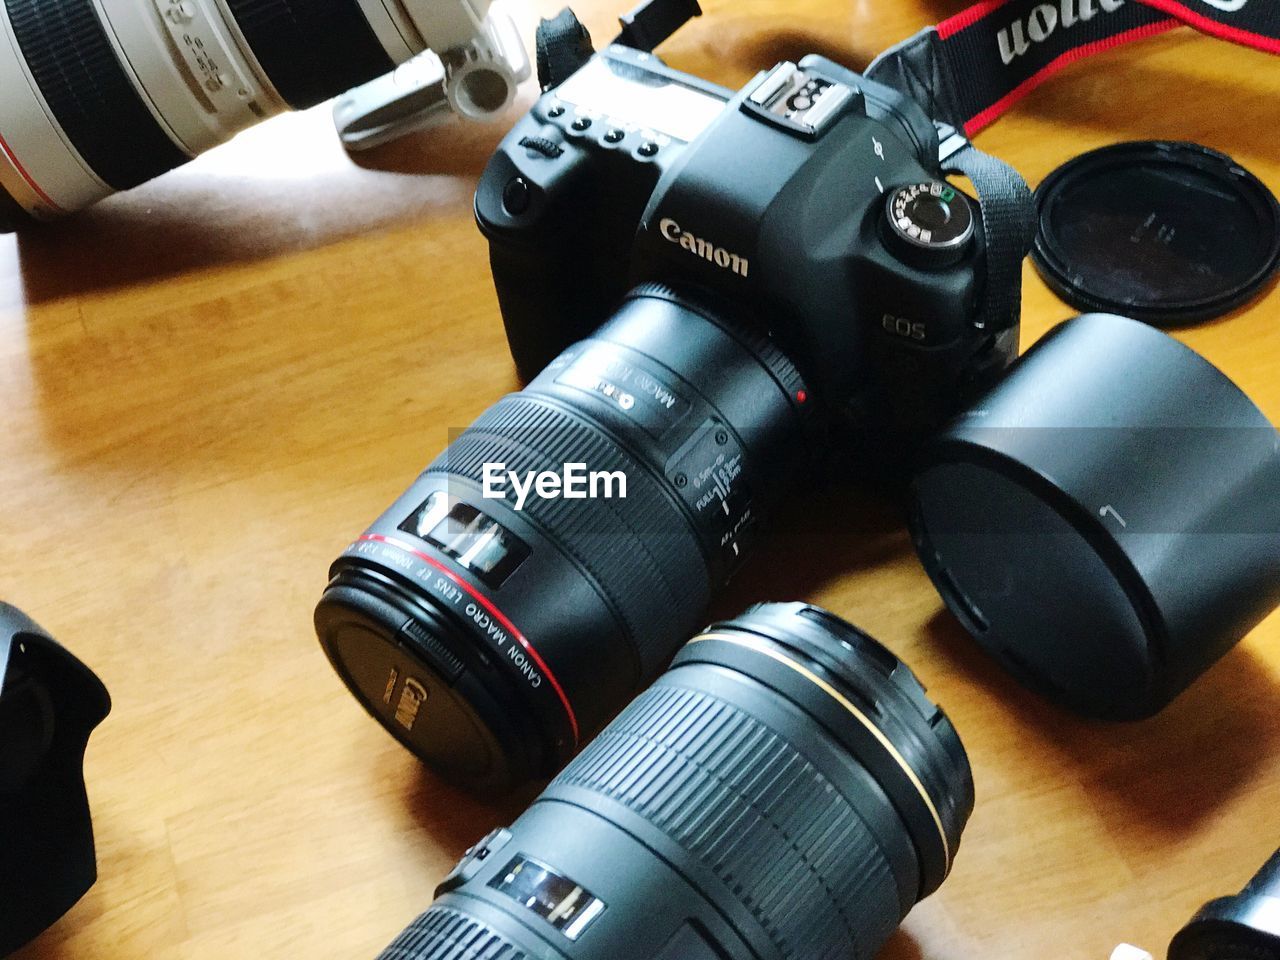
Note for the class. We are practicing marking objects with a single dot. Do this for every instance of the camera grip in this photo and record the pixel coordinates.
(552, 267)
(549, 300)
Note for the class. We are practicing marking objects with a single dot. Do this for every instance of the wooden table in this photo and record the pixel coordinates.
(212, 384)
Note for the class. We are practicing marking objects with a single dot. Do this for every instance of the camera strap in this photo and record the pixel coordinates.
(972, 68)
(1009, 225)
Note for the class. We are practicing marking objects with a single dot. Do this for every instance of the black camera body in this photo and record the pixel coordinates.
(810, 206)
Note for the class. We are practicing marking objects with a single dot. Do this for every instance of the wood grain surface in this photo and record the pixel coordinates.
(211, 384)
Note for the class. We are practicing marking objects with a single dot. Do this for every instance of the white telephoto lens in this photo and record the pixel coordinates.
(103, 95)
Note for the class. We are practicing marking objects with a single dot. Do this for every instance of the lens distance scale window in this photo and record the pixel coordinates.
(565, 905)
(221, 80)
(709, 472)
(469, 537)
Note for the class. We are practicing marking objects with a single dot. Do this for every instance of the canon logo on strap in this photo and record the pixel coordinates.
(1004, 49)
(1017, 39)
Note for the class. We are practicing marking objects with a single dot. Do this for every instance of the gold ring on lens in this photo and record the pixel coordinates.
(762, 647)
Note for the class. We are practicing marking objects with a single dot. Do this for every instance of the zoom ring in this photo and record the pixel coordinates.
(311, 50)
(750, 807)
(89, 93)
(640, 549)
(444, 934)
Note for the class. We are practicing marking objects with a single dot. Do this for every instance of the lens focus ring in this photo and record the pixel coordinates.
(91, 96)
(444, 934)
(641, 552)
(746, 803)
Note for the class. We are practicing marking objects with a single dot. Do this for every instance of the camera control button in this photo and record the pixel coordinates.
(474, 860)
(930, 224)
(582, 123)
(543, 146)
(615, 136)
(517, 196)
(648, 149)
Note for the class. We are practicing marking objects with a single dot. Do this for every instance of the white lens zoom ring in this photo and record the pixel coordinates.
(39, 167)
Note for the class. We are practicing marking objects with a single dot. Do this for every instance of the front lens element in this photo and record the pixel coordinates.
(785, 790)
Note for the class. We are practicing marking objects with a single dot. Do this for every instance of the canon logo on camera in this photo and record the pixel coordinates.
(719, 256)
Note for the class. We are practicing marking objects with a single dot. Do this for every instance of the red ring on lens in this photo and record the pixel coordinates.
(22, 172)
(494, 612)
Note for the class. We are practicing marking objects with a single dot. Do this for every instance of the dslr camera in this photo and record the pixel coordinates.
(809, 208)
(704, 287)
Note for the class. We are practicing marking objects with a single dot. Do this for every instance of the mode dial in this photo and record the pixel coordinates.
(930, 224)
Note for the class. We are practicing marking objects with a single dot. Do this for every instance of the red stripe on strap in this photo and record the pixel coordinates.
(1216, 27)
(1001, 106)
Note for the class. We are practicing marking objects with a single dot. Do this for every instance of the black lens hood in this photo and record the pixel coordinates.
(1106, 521)
(49, 704)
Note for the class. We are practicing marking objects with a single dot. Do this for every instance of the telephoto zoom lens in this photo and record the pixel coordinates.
(102, 95)
(786, 791)
(492, 631)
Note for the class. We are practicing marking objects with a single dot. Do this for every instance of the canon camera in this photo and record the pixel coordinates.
(703, 287)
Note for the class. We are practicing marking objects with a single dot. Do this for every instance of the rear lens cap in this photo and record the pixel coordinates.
(1172, 234)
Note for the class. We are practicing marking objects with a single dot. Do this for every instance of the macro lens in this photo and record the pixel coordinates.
(102, 95)
(786, 790)
(491, 631)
